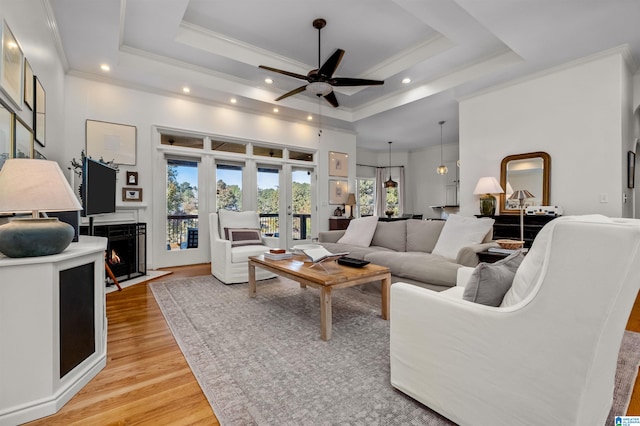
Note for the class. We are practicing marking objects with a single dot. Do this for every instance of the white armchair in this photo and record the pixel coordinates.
(229, 264)
(548, 358)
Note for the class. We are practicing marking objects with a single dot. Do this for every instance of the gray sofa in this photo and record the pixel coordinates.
(405, 247)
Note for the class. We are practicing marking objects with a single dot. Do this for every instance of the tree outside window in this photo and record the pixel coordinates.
(365, 201)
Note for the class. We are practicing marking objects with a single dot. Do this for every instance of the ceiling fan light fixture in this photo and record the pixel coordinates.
(319, 88)
(390, 183)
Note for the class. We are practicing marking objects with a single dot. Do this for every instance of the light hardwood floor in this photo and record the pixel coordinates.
(147, 380)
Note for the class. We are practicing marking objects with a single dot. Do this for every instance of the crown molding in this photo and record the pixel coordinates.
(55, 34)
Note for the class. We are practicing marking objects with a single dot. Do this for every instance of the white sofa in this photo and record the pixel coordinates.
(547, 355)
(230, 264)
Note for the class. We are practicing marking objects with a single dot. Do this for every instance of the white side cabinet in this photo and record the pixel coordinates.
(53, 328)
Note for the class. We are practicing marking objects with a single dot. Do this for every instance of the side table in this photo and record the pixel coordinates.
(490, 256)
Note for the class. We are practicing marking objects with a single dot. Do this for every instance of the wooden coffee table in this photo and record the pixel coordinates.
(335, 276)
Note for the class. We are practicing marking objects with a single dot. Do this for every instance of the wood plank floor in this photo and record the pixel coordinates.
(147, 380)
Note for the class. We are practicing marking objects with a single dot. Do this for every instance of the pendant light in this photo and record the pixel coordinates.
(390, 183)
(442, 169)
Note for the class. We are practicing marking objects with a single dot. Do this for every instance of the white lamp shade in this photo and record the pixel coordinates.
(35, 185)
(488, 185)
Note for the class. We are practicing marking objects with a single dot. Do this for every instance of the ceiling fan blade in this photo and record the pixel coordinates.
(290, 74)
(331, 65)
(343, 81)
(331, 98)
(293, 92)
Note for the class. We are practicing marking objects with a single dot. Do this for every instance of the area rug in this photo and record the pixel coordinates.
(261, 360)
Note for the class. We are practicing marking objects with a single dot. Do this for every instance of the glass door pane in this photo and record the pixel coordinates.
(301, 205)
(269, 200)
(182, 204)
(228, 187)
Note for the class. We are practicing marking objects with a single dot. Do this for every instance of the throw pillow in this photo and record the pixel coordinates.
(360, 231)
(491, 281)
(243, 236)
(461, 231)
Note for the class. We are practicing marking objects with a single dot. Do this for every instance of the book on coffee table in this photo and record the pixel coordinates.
(321, 254)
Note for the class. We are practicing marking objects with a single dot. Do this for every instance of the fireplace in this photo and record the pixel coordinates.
(126, 248)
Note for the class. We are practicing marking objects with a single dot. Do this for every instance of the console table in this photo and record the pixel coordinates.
(338, 223)
(507, 226)
(53, 328)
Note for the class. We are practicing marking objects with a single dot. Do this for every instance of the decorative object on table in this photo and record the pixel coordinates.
(390, 183)
(33, 186)
(485, 187)
(338, 164)
(351, 202)
(111, 140)
(11, 67)
(521, 195)
(28, 84)
(132, 178)
(442, 169)
(338, 191)
(389, 212)
(23, 139)
(337, 212)
(544, 211)
(510, 244)
(631, 169)
(131, 194)
(40, 112)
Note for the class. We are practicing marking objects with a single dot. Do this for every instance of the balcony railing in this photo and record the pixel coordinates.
(182, 230)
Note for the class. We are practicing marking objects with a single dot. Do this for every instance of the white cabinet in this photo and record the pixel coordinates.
(53, 328)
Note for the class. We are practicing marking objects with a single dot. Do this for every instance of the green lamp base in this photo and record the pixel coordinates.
(487, 205)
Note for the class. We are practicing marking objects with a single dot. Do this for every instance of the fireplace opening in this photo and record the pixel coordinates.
(126, 252)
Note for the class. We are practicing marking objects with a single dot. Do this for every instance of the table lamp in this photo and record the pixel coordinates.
(521, 195)
(486, 186)
(351, 201)
(32, 186)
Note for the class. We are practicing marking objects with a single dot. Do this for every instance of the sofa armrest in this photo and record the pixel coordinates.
(330, 236)
(468, 256)
(463, 276)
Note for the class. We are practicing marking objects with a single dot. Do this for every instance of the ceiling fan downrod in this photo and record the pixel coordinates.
(319, 24)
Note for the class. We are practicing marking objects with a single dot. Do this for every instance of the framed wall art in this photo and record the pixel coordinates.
(111, 142)
(338, 164)
(40, 112)
(28, 84)
(631, 169)
(11, 67)
(132, 178)
(338, 191)
(131, 194)
(23, 139)
(6, 133)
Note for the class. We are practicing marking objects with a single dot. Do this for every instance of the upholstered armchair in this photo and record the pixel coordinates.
(547, 355)
(229, 258)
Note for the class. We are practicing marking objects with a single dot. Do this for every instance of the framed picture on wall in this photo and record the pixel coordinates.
(338, 191)
(338, 164)
(132, 178)
(23, 139)
(28, 84)
(11, 67)
(40, 112)
(631, 169)
(131, 194)
(111, 141)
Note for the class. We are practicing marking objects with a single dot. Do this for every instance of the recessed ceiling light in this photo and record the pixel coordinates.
(276, 110)
(185, 89)
(233, 100)
(406, 80)
(309, 117)
(105, 67)
(268, 80)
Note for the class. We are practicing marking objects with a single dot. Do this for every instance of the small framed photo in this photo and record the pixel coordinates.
(338, 191)
(131, 194)
(132, 178)
(631, 169)
(338, 164)
(11, 67)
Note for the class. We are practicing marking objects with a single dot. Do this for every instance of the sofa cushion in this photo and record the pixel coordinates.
(354, 251)
(360, 231)
(417, 266)
(241, 254)
(422, 235)
(491, 281)
(391, 235)
(460, 231)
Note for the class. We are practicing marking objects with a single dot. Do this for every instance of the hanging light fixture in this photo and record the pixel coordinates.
(442, 169)
(390, 183)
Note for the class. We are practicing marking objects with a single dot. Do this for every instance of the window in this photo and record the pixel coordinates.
(228, 147)
(183, 141)
(267, 152)
(182, 204)
(269, 200)
(228, 187)
(392, 201)
(365, 201)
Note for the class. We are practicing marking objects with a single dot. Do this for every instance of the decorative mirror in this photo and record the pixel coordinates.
(525, 172)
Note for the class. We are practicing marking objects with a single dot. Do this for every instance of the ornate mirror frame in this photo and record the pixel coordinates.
(546, 172)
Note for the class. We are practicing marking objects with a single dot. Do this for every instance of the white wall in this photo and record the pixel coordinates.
(575, 113)
(30, 25)
(87, 99)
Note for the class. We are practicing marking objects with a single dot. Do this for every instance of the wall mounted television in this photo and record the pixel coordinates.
(98, 188)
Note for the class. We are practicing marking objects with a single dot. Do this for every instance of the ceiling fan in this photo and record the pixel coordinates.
(321, 80)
